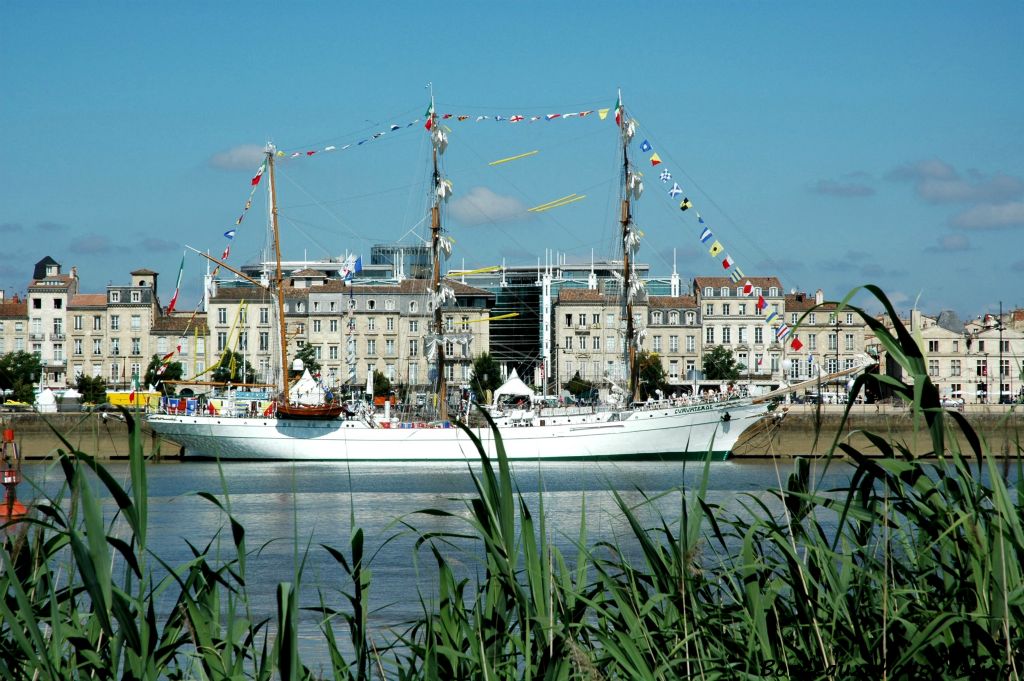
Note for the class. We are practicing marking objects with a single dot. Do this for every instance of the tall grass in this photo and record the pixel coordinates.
(912, 570)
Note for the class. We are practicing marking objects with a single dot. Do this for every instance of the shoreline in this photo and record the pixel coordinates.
(805, 430)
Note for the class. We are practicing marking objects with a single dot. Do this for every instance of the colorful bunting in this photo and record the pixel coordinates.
(645, 146)
(761, 303)
(705, 235)
(666, 175)
(230, 234)
(685, 204)
(675, 191)
(772, 316)
(259, 175)
(727, 262)
(655, 159)
(796, 344)
(748, 288)
(429, 114)
(715, 249)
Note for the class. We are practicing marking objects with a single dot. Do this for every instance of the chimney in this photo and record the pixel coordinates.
(819, 297)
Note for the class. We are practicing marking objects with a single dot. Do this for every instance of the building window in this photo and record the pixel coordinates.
(656, 317)
(136, 296)
(136, 322)
(709, 335)
(849, 342)
(773, 292)
(37, 303)
(115, 323)
(264, 315)
(389, 304)
(568, 343)
(812, 342)
(222, 340)
(115, 346)
(316, 326)
(793, 318)
(414, 326)
(673, 370)
(78, 346)
(933, 367)
(954, 367)
(812, 318)
(691, 343)
(333, 325)
(656, 346)
(371, 347)
(724, 291)
(77, 323)
(115, 296)
(371, 323)
(609, 319)
(371, 304)
(727, 334)
(709, 309)
(691, 318)
(136, 346)
(673, 343)
(758, 335)
(414, 347)
(264, 341)
(597, 343)
(582, 342)
(389, 324)
(708, 291)
(981, 346)
(389, 347)
(673, 317)
(741, 335)
(833, 341)
(243, 340)
(449, 324)
(595, 319)
(413, 306)
(726, 308)
(97, 346)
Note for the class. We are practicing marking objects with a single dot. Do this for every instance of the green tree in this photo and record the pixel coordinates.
(578, 386)
(381, 385)
(720, 365)
(173, 372)
(93, 389)
(651, 375)
(307, 353)
(18, 371)
(233, 367)
(486, 376)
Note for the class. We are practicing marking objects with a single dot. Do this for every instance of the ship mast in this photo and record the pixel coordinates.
(278, 276)
(437, 141)
(626, 220)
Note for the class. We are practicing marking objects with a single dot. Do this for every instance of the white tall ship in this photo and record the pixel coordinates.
(681, 428)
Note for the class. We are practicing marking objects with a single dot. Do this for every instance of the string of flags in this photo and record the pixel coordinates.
(715, 247)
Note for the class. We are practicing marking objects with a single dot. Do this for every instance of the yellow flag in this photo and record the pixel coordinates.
(602, 113)
(715, 249)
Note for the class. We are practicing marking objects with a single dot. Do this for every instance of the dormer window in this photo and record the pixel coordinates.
(673, 317)
(136, 296)
(757, 290)
(773, 291)
(708, 291)
(115, 296)
(371, 304)
(389, 304)
(413, 306)
(724, 291)
(656, 317)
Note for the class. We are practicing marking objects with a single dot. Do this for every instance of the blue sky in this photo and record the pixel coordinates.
(830, 144)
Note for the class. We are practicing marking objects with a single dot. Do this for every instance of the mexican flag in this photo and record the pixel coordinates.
(430, 116)
(177, 287)
(618, 111)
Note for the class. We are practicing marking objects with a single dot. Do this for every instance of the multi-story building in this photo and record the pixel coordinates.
(87, 335)
(589, 336)
(831, 339)
(732, 319)
(13, 324)
(48, 295)
(354, 329)
(187, 336)
(674, 334)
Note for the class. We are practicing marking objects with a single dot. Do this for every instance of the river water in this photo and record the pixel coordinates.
(289, 509)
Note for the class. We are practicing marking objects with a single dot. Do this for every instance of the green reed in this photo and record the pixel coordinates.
(911, 571)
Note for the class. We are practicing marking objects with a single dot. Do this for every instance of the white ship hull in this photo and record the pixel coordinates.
(663, 432)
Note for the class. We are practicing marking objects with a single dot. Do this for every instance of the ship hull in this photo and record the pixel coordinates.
(692, 432)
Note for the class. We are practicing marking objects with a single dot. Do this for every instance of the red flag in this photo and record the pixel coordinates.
(727, 262)
(430, 116)
(259, 174)
(796, 344)
(227, 251)
(761, 304)
(748, 288)
(310, 153)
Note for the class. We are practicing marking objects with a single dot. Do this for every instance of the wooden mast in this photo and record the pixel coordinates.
(278, 276)
(435, 244)
(625, 219)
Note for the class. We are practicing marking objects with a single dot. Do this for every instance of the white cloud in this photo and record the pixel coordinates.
(991, 216)
(841, 189)
(242, 157)
(481, 206)
(936, 181)
(950, 243)
(92, 244)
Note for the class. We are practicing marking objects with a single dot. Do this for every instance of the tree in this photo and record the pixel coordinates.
(651, 375)
(578, 386)
(93, 389)
(18, 371)
(233, 367)
(486, 376)
(153, 377)
(719, 364)
(307, 353)
(381, 384)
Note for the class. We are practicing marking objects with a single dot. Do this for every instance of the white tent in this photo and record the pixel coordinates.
(514, 387)
(306, 390)
(46, 403)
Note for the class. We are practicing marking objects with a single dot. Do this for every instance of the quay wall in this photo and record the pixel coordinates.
(805, 429)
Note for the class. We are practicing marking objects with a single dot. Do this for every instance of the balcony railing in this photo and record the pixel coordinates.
(37, 336)
(56, 336)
